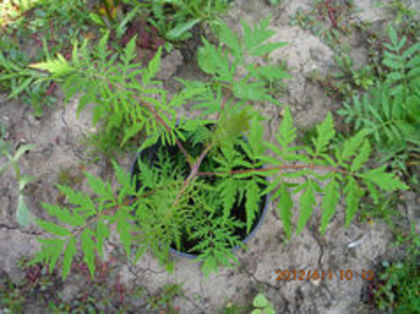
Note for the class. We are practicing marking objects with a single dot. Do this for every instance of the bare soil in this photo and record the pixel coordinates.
(59, 147)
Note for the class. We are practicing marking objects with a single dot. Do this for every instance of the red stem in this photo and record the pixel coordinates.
(331, 11)
(168, 129)
(35, 37)
(51, 88)
(294, 167)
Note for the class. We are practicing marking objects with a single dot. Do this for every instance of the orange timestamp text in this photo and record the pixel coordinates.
(314, 274)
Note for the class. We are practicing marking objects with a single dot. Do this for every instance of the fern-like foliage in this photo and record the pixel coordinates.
(203, 170)
(389, 111)
(124, 93)
(345, 173)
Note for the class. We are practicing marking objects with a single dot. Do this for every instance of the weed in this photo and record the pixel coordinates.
(404, 18)
(48, 26)
(12, 158)
(175, 19)
(42, 288)
(262, 305)
(396, 289)
(328, 20)
(389, 110)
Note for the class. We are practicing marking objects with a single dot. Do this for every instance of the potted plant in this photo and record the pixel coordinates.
(208, 202)
(194, 178)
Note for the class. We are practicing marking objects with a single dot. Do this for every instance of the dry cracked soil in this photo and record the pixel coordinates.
(57, 138)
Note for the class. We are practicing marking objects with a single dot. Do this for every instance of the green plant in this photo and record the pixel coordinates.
(110, 15)
(397, 288)
(329, 20)
(47, 27)
(362, 78)
(175, 19)
(263, 306)
(40, 288)
(194, 195)
(6, 151)
(389, 111)
(404, 18)
(18, 81)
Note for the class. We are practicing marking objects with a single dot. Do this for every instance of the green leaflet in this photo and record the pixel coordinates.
(362, 157)
(251, 206)
(54, 253)
(53, 228)
(213, 61)
(230, 39)
(271, 73)
(146, 175)
(287, 132)
(123, 177)
(254, 38)
(254, 91)
(123, 229)
(85, 203)
(153, 68)
(129, 52)
(22, 213)
(329, 203)
(393, 35)
(102, 233)
(353, 195)
(284, 208)
(98, 186)
(181, 29)
(307, 202)
(256, 136)
(260, 300)
(267, 48)
(21, 87)
(87, 98)
(350, 146)
(88, 249)
(325, 132)
(63, 214)
(228, 193)
(58, 67)
(374, 194)
(384, 180)
(69, 253)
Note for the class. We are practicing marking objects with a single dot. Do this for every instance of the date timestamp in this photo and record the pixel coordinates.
(314, 274)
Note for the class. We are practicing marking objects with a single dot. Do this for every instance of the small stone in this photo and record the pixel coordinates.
(32, 120)
(169, 65)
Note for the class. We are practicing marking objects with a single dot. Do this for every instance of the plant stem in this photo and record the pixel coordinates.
(293, 167)
(167, 128)
(194, 172)
(155, 114)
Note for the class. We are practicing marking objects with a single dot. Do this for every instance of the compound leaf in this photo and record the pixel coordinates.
(251, 205)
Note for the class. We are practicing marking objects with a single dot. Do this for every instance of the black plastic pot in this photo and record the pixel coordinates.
(149, 155)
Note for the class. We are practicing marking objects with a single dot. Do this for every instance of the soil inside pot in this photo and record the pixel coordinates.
(238, 211)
